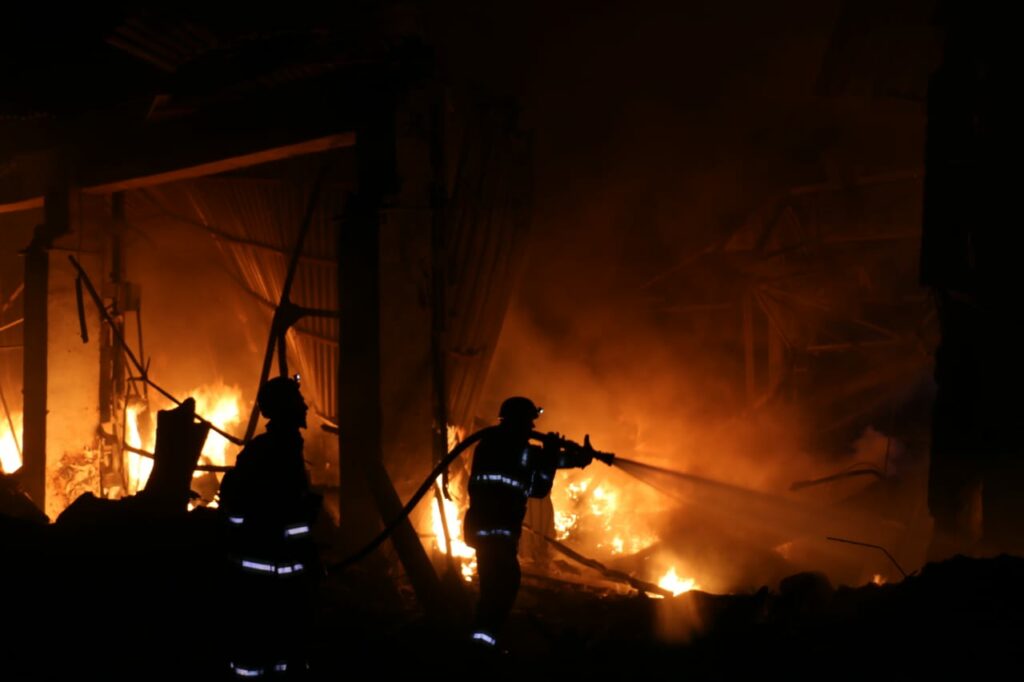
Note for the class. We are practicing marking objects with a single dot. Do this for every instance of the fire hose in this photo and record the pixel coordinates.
(428, 483)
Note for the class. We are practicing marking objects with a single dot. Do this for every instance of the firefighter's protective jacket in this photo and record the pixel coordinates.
(507, 470)
(268, 504)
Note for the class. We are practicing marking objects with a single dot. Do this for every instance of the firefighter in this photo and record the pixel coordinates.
(268, 510)
(507, 470)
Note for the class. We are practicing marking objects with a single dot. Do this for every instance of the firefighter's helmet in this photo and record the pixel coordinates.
(280, 398)
(519, 409)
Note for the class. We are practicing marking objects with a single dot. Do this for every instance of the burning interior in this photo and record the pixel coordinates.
(751, 330)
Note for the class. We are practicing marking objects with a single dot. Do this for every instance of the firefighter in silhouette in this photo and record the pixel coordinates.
(268, 510)
(508, 470)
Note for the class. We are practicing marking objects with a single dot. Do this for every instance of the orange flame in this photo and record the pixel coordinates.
(139, 467)
(460, 550)
(218, 403)
(675, 584)
(453, 516)
(10, 457)
(603, 514)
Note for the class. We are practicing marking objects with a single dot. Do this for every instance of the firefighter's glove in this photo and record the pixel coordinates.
(586, 453)
(553, 443)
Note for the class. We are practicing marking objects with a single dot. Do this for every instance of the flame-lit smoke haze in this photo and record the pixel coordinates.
(636, 396)
(650, 393)
(200, 335)
(200, 327)
(654, 135)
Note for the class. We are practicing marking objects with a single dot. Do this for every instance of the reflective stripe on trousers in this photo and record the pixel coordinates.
(484, 637)
(499, 478)
(249, 672)
(269, 568)
(492, 532)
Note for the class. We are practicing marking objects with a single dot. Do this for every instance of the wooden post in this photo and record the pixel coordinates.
(359, 371)
(37, 277)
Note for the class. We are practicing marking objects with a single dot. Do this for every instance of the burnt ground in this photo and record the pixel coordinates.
(111, 596)
(962, 613)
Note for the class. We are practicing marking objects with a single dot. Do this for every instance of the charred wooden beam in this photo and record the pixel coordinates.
(179, 443)
(610, 574)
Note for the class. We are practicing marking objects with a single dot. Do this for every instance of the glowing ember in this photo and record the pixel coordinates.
(565, 524)
(674, 584)
(603, 502)
(631, 544)
(878, 579)
(10, 458)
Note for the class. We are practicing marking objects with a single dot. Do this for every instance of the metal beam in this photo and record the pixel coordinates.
(21, 205)
(321, 144)
(222, 165)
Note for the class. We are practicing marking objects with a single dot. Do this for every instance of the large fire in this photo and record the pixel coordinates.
(610, 518)
(599, 516)
(10, 453)
(218, 403)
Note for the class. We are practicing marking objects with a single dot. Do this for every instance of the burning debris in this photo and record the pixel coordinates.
(220, 404)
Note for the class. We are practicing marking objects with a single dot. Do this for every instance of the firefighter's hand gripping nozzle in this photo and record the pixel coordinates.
(572, 450)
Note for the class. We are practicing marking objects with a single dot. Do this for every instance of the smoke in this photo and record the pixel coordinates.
(199, 327)
(656, 134)
(646, 395)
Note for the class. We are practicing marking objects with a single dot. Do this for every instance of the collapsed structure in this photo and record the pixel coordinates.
(322, 201)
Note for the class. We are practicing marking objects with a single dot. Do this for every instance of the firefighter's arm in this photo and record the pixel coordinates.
(232, 486)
